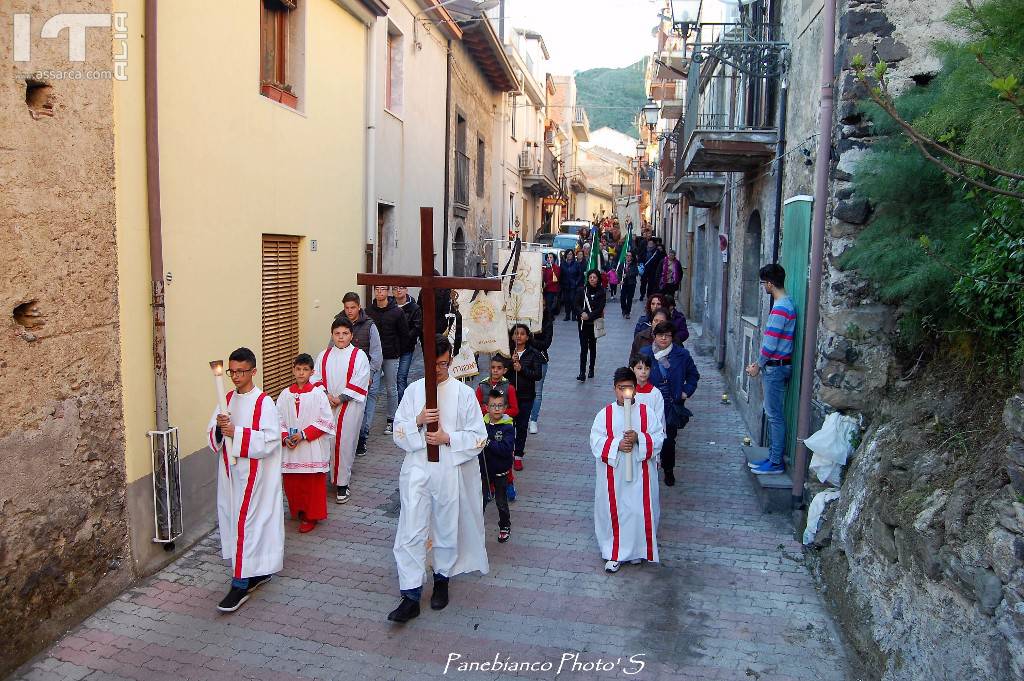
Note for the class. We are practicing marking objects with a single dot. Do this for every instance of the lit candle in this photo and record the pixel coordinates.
(627, 404)
(217, 367)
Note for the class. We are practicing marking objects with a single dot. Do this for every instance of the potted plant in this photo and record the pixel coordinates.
(279, 93)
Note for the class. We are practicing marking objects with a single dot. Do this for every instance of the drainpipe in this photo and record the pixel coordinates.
(821, 171)
(780, 153)
(447, 152)
(370, 171)
(156, 241)
(722, 336)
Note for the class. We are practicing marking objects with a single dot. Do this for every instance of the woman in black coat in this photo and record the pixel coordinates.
(590, 303)
(526, 371)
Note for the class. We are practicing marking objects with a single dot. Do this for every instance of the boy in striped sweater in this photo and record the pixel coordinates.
(774, 365)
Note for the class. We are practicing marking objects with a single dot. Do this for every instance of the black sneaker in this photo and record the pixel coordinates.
(342, 495)
(405, 611)
(234, 600)
(670, 478)
(590, 374)
(257, 582)
(361, 447)
(439, 599)
(582, 377)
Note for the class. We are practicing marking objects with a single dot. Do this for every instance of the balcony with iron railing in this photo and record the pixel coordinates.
(578, 180)
(729, 121)
(539, 170)
(581, 124)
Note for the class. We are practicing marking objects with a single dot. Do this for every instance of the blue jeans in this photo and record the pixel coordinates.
(535, 412)
(390, 370)
(371, 404)
(404, 364)
(774, 381)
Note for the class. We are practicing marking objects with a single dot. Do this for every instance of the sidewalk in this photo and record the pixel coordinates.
(731, 599)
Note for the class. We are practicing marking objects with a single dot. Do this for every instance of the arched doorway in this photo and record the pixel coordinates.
(459, 253)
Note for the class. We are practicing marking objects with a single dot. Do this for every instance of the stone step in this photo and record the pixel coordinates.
(774, 492)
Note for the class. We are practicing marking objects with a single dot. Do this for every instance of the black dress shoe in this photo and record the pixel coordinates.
(439, 599)
(405, 611)
(582, 377)
(670, 478)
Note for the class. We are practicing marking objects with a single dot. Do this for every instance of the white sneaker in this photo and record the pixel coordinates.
(612, 566)
(342, 494)
(533, 427)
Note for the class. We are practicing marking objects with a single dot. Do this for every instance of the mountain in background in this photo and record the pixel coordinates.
(596, 88)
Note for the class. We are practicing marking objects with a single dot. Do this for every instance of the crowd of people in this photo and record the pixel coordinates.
(318, 426)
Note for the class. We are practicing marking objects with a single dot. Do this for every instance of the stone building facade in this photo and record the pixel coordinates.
(480, 75)
(64, 539)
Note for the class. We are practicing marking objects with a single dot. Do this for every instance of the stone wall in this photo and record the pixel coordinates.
(473, 98)
(64, 544)
(921, 556)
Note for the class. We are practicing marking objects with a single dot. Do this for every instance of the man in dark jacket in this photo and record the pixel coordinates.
(674, 373)
(414, 322)
(366, 338)
(572, 279)
(541, 342)
(651, 262)
(496, 459)
(394, 332)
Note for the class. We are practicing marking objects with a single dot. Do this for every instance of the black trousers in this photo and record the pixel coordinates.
(522, 421)
(588, 343)
(551, 301)
(569, 301)
(500, 483)
(626, 297)
(668, 448)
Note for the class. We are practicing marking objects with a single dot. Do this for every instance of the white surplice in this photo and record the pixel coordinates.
(300, 409)
(653, 398)
(344, 372)
(626, 513)
(250, 503)
(442, 499)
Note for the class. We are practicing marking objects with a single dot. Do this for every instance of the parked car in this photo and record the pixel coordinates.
(556, 243)
(573, 226)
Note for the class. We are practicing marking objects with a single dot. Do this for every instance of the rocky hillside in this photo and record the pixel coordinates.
(621, 88)
(922, 557)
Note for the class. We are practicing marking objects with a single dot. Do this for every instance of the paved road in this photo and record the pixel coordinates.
(731, 599)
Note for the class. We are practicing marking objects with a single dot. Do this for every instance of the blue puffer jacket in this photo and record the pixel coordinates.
(677, 382)
(501, 443)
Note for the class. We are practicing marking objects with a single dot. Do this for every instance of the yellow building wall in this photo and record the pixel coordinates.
(234, 165)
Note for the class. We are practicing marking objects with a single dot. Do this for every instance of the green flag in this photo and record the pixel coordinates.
(625, 248)
(595, 252)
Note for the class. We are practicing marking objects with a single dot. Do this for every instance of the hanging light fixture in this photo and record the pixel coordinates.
(651, 111)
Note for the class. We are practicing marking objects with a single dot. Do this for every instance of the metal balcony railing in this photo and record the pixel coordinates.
(580, 117)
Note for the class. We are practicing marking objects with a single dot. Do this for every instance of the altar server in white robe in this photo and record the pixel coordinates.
(344, 372)
(646, 393)
(442, 500)
(250, 508)
(626, 512)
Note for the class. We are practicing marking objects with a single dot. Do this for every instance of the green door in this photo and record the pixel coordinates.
(796, 248)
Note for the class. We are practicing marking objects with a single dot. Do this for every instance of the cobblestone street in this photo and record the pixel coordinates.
(731, 599)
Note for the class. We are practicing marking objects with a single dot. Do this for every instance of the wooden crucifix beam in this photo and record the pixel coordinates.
(429, 283)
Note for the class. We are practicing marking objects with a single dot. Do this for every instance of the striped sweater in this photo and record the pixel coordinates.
(777, 342)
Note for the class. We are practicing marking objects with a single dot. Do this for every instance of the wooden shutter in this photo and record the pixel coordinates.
(280, 311)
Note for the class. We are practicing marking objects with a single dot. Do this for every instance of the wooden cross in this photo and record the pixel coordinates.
(428, 282)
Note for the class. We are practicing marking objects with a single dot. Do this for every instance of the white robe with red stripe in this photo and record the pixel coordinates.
(344, 372)
(653, 398)
(250, 502)
(307, 409)
(626, 513)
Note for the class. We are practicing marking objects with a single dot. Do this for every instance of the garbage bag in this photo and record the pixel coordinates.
(831, 446)
(815, 510)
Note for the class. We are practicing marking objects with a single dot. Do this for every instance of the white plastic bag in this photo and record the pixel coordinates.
(815, 510)
(831, 446)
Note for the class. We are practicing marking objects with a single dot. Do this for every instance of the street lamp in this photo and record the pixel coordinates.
(641, 149)
(651, 111)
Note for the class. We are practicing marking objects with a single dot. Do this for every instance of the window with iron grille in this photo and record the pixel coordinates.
(280, 311)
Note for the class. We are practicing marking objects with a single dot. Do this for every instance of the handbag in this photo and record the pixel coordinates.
(599, 330)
